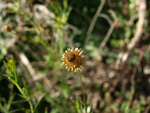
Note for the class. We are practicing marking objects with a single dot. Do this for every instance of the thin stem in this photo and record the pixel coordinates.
(31, 106)
(83, 91)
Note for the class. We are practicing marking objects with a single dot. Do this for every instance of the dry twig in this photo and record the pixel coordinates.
(103, 43)
(106, 17)
(123, 57)
(100, 7)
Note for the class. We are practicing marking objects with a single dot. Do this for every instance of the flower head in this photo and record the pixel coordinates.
(8, 28)
(73, 59)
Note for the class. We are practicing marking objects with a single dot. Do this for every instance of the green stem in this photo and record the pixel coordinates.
(31, 106)
(83, 91)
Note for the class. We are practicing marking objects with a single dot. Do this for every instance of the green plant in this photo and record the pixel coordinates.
(12, 76)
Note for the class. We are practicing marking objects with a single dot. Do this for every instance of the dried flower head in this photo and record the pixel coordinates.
(8, 28)
(73, 59)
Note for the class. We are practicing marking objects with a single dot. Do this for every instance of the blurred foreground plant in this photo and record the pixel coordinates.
(12, 76)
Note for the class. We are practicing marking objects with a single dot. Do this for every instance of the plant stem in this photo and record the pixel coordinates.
(31, 106)
(83, 91)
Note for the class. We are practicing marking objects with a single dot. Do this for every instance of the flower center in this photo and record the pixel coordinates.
(71, 57)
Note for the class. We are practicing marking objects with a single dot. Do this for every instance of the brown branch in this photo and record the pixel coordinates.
(123, 57)
(106, 17)
(106, 38)
(100, 7)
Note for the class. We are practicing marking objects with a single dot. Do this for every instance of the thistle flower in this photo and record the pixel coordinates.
(73, 59)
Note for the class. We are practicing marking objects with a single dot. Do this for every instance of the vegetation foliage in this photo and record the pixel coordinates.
(114, 36)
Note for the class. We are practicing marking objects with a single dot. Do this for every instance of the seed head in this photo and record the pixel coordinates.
(73, 59)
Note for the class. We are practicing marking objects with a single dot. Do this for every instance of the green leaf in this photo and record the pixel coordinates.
(18, 87)
(18, 101)
(7, 68)
(8, 61)
(6, 75)
(25, 87)
(77, 106)
(14, 111)
(46, 110)
(20, 95)
(37, 105)
(15, 70)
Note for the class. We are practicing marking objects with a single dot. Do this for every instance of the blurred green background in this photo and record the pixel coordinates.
(37, 32)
